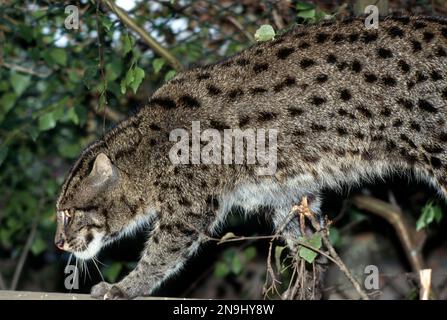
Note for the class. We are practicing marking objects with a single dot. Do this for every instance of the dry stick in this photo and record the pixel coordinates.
(411, 241)
(24, 255)
(2, 283)
(151, 42)
(333, 253)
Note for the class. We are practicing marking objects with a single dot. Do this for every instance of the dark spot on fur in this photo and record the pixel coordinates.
(235, 93)
(295, 111)
(407, 104)
(189, 101)
(184, 202)
(266, 116)
(304, 45)
(370, 78)
(397, 123)
(433, 149)
(406, 139)
(444, 32)
(288, 82)
(242, 62)
(213, 90)
(426, 106)
(154, 127)
(428, 36)
(395, 32)
(342, 65)
(359, 135)
(337, 38)
(342, 131)
(416, 45)
(365, 112)
(368, 37)
(321, 37)
(259, 51)
(332, 59)
(419, 25)
(415, 126)
(317, 100)
(259, 67)
(321, 78)
(389, 81)
(436, 162)
(420, 77)
(318, 127)
(215, 124)
(356, 66)
(353, 37)
(386, 112)
(257, 90)
(243, 121)
(283, 53)
(306, 63)
(212, 203)
(345, 95)
(402, 19)
(436, 76)
(440, 52)
(203, 76)
(404, 66)
(165, 103)
(384, 53)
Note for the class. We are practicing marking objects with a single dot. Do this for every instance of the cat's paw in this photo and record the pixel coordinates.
(99, 290)
(107, 291)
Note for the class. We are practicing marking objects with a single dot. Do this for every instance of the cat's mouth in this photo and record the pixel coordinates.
(91, 249)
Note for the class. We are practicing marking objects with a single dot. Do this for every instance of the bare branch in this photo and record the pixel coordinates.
(151, 42)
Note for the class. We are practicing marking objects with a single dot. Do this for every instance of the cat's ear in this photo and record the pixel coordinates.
(103, 170)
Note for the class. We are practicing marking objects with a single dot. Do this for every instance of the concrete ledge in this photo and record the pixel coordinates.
(29, 295)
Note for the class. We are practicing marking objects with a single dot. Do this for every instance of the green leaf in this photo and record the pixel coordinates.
(7, 101)
(315, 242)
(430, 213)
(334, 236)
(265, 33)
(89, 75)
(69, 150)
(250, 253)
(221, 270)
(157, 64)
(236, 265)
(278, 252)
(306, 14)
(106, 22)
(47, 121)
(113, 271)
(38, 246)
(127, 44)
(138, 78)
(19, 82)
(304, 6)
(59, 56)
(73, 116)
(169, 75)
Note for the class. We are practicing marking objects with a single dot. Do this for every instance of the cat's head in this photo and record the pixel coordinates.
(90, 209)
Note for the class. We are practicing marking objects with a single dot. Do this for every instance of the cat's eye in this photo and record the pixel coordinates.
(66, 217)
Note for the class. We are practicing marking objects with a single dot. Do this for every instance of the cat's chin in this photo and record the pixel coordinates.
(92, 250)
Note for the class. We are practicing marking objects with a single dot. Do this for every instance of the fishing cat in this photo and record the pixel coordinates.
(346, 104)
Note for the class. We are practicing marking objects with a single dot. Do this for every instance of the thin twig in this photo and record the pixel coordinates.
(22, 69)
(2, 283)
(151, 42)
(26, 249)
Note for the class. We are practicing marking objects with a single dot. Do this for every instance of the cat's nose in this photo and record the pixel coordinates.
(60, 244)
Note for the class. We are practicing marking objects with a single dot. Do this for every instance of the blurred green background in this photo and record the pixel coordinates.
(61, 88)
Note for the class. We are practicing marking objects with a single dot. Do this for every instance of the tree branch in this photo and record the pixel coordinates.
(411, 240)
(151, 42)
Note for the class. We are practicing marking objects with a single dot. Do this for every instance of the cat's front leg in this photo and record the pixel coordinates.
(172, 242)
